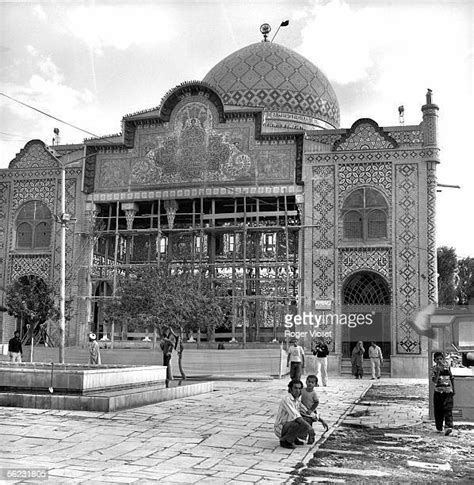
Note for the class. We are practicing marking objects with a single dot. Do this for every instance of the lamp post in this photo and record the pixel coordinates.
(64, 219)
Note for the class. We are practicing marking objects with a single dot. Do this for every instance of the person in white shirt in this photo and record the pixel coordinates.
(376, 359)
(295, 360)
(290, 426)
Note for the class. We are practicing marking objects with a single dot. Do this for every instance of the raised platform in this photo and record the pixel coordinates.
(77, 378)
(89, 387)
(104, 401)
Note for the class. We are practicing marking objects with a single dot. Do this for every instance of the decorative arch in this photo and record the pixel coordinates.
(35, 154)
(365, 134)
(366, 288)
(191, 88)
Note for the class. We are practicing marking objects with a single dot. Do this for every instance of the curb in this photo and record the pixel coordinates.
(332, 428)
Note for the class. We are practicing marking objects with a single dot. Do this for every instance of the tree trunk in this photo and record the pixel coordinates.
(180, 348)
(32, 340)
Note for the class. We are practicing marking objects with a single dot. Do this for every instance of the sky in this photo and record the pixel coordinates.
(89, 63)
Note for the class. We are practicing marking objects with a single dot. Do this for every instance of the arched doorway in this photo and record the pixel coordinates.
(366, 301)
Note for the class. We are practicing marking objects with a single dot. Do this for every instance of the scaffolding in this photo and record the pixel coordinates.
(246, 245)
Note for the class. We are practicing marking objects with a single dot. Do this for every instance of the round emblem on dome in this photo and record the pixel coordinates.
(293, 92)
(265, 29)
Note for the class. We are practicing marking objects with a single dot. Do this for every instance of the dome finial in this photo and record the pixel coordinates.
(265, 29)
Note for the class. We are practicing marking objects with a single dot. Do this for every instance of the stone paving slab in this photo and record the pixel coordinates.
(222, 437)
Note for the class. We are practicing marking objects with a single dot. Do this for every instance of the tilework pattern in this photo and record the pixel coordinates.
(431, 223)
(4, 196)
(35, 154)
(323, 232)
(274, 77)
(408, 342)
(352, 175)
(24, 265)
(365, 259)
(364, 135)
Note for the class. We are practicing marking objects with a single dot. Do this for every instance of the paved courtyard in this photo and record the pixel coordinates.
(222, 437)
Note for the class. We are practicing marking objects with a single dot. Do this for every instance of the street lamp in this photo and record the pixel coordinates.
(64, 219)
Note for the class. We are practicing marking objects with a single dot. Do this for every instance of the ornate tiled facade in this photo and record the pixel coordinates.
(262, 125)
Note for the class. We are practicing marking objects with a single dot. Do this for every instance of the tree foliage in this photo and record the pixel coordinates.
(465, 287)
(447, 264)
(169, 300)
(33, 301)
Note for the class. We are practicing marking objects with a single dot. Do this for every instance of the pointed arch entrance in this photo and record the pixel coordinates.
(366, 293)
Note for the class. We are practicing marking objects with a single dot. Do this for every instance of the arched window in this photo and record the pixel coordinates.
(364, 215)
(366, 288)
(33, 226)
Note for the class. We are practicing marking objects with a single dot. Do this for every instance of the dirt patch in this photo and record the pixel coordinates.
(355, 453)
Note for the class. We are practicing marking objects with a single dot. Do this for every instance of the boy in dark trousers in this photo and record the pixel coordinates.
(443, 394)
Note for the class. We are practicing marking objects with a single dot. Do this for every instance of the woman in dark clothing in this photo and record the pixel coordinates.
(357, 360)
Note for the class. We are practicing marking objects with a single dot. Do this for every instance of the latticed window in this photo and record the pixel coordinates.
(366, 288)
(33, 226)
(364, 215)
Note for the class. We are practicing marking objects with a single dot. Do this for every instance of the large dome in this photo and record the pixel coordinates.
(293, 92)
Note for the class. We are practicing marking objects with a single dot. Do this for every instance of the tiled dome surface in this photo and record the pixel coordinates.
(276, 78)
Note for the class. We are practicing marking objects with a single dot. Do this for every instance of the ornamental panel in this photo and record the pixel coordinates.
(431, 215)
(408, 341)
(25, 265)
(39, 189)
(35, 154)
(365, 134)
(323, 232)
(370, 259)
(368, 174)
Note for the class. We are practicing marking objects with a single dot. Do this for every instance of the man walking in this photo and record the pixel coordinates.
(295, 360)
(321, 351)
(376, 359)
(14, 348)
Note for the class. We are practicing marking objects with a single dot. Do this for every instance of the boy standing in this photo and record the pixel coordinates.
(443, 394)
(309, 403)
(295, 360)
(14, 347)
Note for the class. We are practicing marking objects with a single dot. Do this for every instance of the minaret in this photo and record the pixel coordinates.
(430, 128)
(431, 157)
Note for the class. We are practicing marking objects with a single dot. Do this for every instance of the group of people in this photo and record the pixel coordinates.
(357, 360)
(297, 413)
(296, 360)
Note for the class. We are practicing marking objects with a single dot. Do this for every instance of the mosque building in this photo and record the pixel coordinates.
(312, 229)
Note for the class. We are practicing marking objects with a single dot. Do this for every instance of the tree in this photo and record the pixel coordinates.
(447, 265)
(170, 300)
(465, 285)
(33, 301)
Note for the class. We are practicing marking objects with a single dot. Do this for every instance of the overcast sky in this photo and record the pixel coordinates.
(90, 63)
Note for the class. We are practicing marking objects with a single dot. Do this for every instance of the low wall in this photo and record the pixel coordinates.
(77, 378)
(409, 366)
(231, 362)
